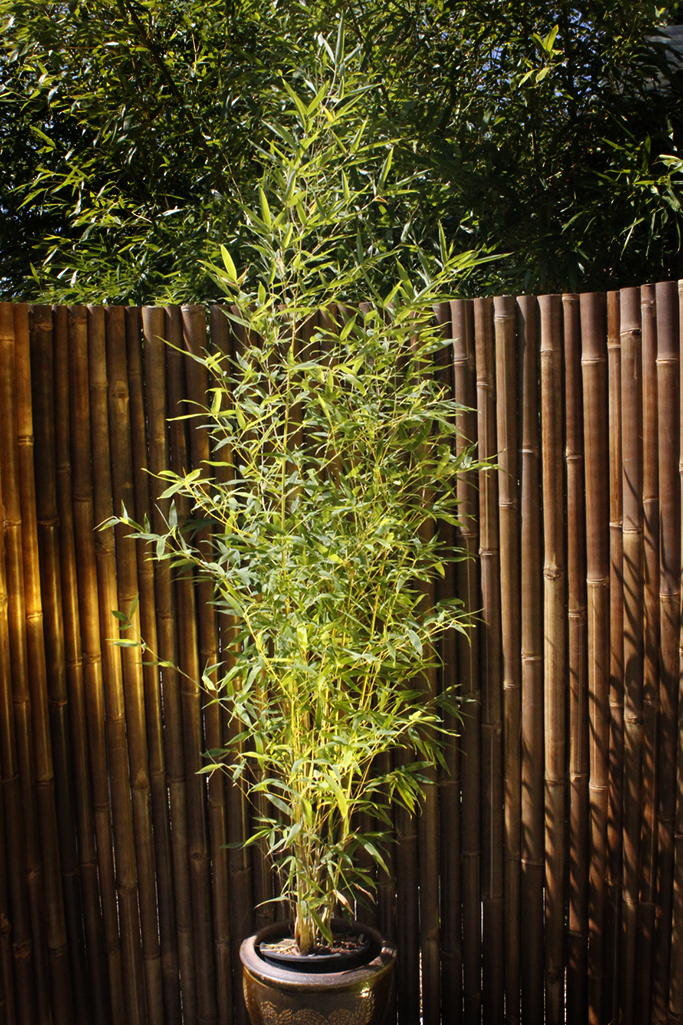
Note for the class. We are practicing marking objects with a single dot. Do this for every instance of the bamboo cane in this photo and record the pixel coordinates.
(578, 851)
(533, 846)
(469, 591)
(595, 396)
(84, 681)
(188, 661)
(155, 330)
(616, 685)
(127, 813)
(152, 684)
(648, 851)
(198, 384)
(42, 383)
(555, 661)
(508, 511)
(632, 462)
(7, 1002)
(668, 398)
(18, 896)
(33, 775)
(491, 675)
(117, 493)
(407, 915)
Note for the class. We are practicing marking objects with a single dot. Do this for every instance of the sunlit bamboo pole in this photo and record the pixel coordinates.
(42, 389)
(533, 844)
(632, 463)
(668, 400)
(155, 331)
(491, 676)
(469, 591)
(83, 671)
(555, 657)
(648, 850)
(168, 938)
(578, 850)
(508, 511)
(616, 683)
(18, 895)
(595, 406)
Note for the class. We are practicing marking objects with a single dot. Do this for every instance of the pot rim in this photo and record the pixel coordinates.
(291, 979)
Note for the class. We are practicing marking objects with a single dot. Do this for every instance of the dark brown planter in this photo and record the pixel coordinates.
(277, 996)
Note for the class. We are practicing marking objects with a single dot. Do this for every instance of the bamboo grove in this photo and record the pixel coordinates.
(543, 880)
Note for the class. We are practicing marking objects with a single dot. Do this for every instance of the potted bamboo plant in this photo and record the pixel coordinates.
(333, 462)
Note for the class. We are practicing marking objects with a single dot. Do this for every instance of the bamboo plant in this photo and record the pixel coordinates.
(333, 459)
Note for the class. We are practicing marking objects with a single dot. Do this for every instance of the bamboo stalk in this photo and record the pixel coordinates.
(42, 382)
(650, 499)
(595, 404)
(155, 330)
(469, 591)
(578, 850)
(508, 511)
(168, 938)
(7, 1002)
(194, 329)
(632, 462)
(224, 340)
(668, 398)
(29, 725)
(555, 660)
(491, 675)
(188, 662)
(616, 685)
(407, 915)
(117, 493)
(533, 845)
(84, 683)
(18, 896)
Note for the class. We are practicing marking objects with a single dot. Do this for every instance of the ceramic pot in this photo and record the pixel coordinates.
(281, 996)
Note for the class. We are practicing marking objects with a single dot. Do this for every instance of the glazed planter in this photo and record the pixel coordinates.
(354, 996)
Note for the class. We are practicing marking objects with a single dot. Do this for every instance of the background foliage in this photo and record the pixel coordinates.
(129, 130)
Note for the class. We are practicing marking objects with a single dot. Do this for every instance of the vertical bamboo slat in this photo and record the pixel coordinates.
(554, 660)
(595, 405)
(492, 882)
(648, 851)
(155, 332)
(469, 590)
(7, 1005)
(616, 684)
(668, 399)
(578, 850)
(632, 462)
(42, 389)
(508, 506)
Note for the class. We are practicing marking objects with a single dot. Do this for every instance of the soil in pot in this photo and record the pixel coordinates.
(348, 950)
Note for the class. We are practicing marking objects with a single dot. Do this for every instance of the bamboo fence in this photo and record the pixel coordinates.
(543, 880)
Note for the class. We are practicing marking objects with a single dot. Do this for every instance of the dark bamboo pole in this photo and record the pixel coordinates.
(668, 400)
(155, 330)
(491, 675)
(122, 580)
(595, 405)
(7, 1001)
(84, 674)
(42, 385)
(616, 685)
(533, 844)
(193, 742)
(508, 511)
(224, 340)
(555, 658)
(578, 848)
(469, 591)
(13, 807)
(632, 462)
(168, 938)
(29, 725)
(194, 329)
(648, 851)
